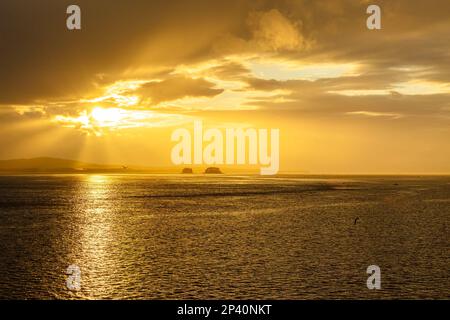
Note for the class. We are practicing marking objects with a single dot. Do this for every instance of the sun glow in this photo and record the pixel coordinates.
(101, 120)
(108, 117)
(119, 93)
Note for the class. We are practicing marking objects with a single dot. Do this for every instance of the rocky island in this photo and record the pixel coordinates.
(213, 170)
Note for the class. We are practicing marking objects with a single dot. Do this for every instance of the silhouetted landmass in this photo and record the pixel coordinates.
(54, 165)
(187, 170)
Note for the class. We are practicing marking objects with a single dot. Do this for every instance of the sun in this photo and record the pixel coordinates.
(109, 117)
(101, 120)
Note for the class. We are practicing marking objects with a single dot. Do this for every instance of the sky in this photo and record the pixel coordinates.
(345, 98)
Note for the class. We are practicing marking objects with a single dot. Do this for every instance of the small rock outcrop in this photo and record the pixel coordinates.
(187, 170)
(213, 170)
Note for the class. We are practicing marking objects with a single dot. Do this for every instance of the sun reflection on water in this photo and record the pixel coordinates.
(96, 236)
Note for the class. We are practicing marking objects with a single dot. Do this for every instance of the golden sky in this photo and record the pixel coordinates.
(346, 99)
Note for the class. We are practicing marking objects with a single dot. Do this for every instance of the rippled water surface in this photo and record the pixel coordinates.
(178, 237)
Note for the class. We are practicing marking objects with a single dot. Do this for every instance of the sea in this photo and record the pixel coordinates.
(224, 236)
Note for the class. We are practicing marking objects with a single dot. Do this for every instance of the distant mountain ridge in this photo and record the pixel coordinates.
(49, 164)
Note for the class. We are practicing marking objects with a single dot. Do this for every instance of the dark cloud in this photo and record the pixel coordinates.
(413, 33)
(40, 59)
(319, 97)
(42, 62)
(177, 87)
(229, 70)
(10, 115)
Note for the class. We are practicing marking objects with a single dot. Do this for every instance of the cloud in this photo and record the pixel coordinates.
(273, 31)
(17, 114)
(376, 114)
(262, 32)
(41, 60)
(309, 56)
(177, 87)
